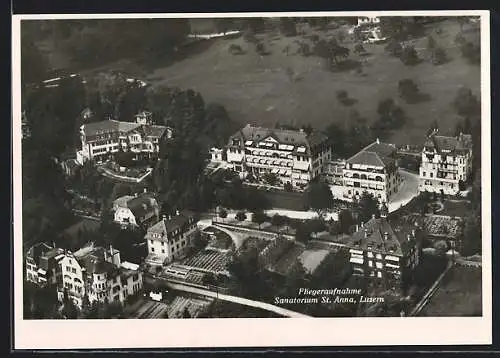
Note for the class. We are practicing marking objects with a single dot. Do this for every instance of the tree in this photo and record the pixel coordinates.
(359, 49)
(367, 206)
(466, 103)
(259, 218)
(319, 196)
(278, 220)
(271, 179)
(288, 186)
(394, 48)
(409, 56)
(240, 216)
(287, 26)
(346, 221)
(342, 96)
(185, 313)
(471, 242)
(439, 56)
(69, 311)
(408, 90)
(471, 52)
(431, 43)
(295, 278)
(223, 213)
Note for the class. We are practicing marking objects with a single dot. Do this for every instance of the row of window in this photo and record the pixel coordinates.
(70, 269)
(439, 183)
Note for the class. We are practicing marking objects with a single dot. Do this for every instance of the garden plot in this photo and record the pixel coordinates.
(312, 258)
(208, 261)
(286, 262)
(195, 306)
(150, 309)
(443, 226)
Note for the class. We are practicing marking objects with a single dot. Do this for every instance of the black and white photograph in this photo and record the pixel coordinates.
(296, 165)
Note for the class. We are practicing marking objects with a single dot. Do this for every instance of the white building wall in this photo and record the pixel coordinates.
(124, 216)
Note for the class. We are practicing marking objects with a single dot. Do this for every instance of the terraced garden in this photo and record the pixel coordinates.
(213, 261)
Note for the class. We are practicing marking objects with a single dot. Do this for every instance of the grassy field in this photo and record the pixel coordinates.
(459, 294)
(294, 89)
(257, 89)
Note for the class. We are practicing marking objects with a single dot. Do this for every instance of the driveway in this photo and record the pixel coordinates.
(408, 189)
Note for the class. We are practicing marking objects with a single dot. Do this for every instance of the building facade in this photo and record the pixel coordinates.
(374, 170)
(169, 239)
(446, 164)
(100, 140)
(385, 253)
(97, 273)
(334, 172)
(42, 264)
(137, 210)
(293, 157)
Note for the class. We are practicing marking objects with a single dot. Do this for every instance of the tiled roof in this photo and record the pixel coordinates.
(283, 136)
(92, 259)
(382, 236)
(154, 131)
(462, 142)
(142, 205)
(167, 226)
(376, 154)
(37, 250)
(113, 127)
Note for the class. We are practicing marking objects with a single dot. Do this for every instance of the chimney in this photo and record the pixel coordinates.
(301, 130)
(378, 141)
(373, 216)
(164, 217)
(111, 251)
(357, 228)
(145, 190)
(366, 234)
(177, 213)
(363, 224)
(413, 232)
(408, 237)
(135, 195)
(54, 244)
(386, 236)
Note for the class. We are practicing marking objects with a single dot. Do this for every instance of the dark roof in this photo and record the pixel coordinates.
(459, 143)
(141, 205)
(37, 250)
(283, 136)
(154, 130)
(381, 236)
(93, 260)
(167, 226)
(112, 127)
(377, 154)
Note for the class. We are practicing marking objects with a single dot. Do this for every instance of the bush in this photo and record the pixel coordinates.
(408, 89)
(471, 52)
(394, 48)
(288, 187)
(240, 216)
(439, 56)
(235, 49)
(409, 56)
(342, 95)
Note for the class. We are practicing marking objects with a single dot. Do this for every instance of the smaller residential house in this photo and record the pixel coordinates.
(169, 238)
(216, 155)
(98, 274)
(42, 264)
(385, 252)
(137, 210)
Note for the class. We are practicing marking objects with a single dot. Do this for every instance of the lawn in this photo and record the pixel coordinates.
(458, 208)
(258, 89)
(459, 294)
(84, 225)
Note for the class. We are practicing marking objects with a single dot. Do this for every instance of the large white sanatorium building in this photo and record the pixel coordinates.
(102, 139)
(375, 170)
(446, 162)
(293, 156)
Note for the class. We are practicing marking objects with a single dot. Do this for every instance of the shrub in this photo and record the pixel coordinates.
(342, 95)
(408, 89)
(235, 49)
(471, 52)
(240, 216)
(439, 56)
(394, 48)
(409, 56)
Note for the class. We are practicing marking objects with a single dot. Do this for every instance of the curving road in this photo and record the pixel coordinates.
(242, 301)
(407, 190)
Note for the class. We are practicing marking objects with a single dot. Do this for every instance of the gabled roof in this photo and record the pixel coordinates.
(154, 130)
(37, 250)
(459, 143)
(377, 154)
(93, 260)
(112, 127)
(283, 136)
(381, 236)
(140, 205)
(167, 226)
